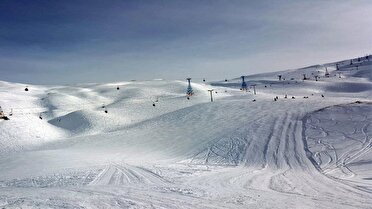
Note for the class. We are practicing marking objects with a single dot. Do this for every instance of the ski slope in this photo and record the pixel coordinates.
(311, 149)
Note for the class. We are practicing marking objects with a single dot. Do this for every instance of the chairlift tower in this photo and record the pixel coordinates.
(304, 77)
(189, 90)
(326, 72)
(211, 93)
(254, 88)
(244, 84)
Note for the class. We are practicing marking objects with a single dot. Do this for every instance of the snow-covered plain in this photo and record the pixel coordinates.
(240, 151)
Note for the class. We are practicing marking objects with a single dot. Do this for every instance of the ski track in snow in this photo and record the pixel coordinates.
(233, 153)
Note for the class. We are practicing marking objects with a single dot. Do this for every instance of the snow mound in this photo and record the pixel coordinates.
(340, 140)
(364, 73)
(77, 121)
(349, 87)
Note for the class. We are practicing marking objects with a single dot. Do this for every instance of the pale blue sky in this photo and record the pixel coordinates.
(65, 42)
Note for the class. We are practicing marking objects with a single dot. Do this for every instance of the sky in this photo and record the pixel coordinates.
(68, 42)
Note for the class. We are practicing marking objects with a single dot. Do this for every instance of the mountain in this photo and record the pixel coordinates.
(142, 144)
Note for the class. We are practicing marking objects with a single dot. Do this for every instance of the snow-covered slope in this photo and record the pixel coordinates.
(155, 148)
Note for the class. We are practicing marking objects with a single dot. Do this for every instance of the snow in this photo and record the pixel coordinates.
(307, 152)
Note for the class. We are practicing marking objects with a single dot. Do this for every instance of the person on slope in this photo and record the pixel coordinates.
(2, 115)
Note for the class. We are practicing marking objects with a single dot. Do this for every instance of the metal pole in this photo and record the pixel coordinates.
(189, 90)
(244, 84)
(211, 93)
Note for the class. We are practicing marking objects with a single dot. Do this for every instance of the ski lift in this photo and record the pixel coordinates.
(189, 91)
(244, 84)
(26, 89)
(304, 76)
(326, 73)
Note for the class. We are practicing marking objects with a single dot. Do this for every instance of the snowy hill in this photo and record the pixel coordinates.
(142, 144)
